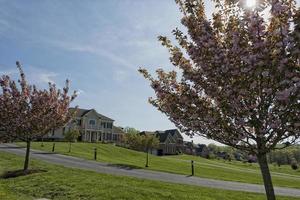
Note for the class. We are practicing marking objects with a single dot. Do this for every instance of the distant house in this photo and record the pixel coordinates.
(92, 125)
(189, 148)
(170, 142)
(222, 154)
(196, 149)
(118, 134)
(202, 150)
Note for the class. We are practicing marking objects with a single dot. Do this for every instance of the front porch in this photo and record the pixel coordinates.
(94, 136)
(91, 136)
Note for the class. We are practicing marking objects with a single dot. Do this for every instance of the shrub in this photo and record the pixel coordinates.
(294, 165)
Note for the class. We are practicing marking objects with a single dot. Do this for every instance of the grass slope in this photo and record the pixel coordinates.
(233, 171)
(60, 183)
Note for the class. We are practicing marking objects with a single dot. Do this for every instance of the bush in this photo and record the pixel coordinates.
(294, 165)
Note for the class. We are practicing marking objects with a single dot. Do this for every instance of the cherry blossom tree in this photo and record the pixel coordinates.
(28, 113)
(237, 80)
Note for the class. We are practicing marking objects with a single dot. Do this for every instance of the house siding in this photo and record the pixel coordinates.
(93, 127)
(171, 142)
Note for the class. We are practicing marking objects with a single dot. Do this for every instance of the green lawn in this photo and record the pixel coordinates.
(234, 171)
(60, 183)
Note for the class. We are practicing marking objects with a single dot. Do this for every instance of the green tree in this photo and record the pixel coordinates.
(149, 142)
(131, 130)
(71, 136)
(133, 141)
(142, 143)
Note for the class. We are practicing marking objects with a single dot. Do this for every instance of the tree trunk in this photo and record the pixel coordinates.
(262, 160)
(26, 163)
(70, 147)
(147, 158)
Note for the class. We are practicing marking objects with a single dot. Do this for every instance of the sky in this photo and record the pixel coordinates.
(99, 46)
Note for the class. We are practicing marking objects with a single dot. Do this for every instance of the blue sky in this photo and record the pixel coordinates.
(98, 45)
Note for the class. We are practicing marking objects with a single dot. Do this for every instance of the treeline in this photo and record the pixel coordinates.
(140, 142)
(286, 156)
(133, 140)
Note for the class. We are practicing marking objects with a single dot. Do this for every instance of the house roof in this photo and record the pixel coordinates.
(172, 131)
(81, 112)
(162, 135)
(117, 130)
(147, 133)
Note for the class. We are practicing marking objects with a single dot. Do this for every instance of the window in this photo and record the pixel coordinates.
(115, 137)
(109, 125)
(103, 124)
(92, 122)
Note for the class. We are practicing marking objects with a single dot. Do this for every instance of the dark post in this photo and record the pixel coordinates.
(147, 158)
(192, 164)
(53, 147)
(42, 145)
(95, 153)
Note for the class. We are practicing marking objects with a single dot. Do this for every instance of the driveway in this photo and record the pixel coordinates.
(73, 162)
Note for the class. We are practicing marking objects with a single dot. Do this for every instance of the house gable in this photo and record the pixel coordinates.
(170, 139)
(92, 114)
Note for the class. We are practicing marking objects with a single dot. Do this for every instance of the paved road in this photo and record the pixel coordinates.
(79, 163)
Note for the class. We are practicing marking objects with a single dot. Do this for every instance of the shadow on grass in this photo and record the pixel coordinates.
(7, 147)
(17, 173)
(45, 153)
(124, 166)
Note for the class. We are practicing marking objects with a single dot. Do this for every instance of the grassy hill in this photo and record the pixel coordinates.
(215, 169)
(60, 183)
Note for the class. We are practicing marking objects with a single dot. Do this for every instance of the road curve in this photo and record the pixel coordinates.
(73, 162)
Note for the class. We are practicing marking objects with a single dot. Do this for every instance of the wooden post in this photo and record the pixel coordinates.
(192, 165)
(42, 145)
(147, 158)
(95, 153)
(53, 147)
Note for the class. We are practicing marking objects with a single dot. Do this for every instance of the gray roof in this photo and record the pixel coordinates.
(81, 112)
(118, 130)
(162, 135)
(172, 131)
(147, 133)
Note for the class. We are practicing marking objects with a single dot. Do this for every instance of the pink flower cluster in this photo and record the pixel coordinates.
(27, 112)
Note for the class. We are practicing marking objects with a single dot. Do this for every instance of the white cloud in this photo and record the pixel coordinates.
(4, 26)
(120, 75)
(97, 50)
(80, 92)
(8, 72)
(35, 75)
(47, 77)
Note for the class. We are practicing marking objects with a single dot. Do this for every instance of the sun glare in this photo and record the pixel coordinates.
(250, 3)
